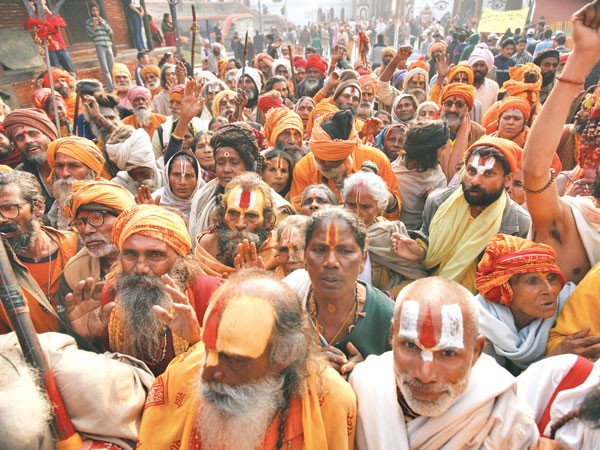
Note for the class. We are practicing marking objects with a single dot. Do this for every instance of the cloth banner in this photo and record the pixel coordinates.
(499, 21)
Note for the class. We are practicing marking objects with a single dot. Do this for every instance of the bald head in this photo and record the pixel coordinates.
(436, 342)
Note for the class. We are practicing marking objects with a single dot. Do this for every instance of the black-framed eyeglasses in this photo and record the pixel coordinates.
(459, 105)
(94, 218)
(11, 210)
(284, 253)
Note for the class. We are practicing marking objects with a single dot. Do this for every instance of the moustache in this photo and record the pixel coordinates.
(9, 228)
(474, 189)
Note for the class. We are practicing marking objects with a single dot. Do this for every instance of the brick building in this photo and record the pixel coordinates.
(20, 61)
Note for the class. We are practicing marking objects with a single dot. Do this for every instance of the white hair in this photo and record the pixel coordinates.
(373, 183)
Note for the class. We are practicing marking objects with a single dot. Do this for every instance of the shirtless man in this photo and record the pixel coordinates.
(558, 221)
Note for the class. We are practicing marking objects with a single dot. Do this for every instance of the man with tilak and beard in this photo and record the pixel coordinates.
(244, 232)
(142, 116)
(252, 382)
(37, 254)
(154, 287)
(458, 222)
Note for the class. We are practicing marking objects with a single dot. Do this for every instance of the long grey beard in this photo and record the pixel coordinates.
(143, 116)
(21, 242)
(236, 418)
(228, 241)
(61, 189)
(136, 295)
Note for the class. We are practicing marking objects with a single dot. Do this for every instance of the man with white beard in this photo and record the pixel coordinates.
(168, 79)
(85, 380)
(366, 107)
(37, 254)
(92, 207)
(122, 81)
(142, 116)
(155, 287)
(30, 130)
(253, 381)
(71, 159)
(151, 77)
(435, 388)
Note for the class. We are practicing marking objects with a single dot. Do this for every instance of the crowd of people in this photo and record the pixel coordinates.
(372, 248)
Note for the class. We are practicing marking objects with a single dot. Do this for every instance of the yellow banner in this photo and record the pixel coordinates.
(499, 21)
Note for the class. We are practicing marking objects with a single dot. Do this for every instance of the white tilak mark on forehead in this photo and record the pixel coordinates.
(483, 163)
(352, 91)
(452, 327)
(409, 320)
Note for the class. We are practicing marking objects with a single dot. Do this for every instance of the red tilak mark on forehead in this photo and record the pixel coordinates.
(313, 196)
(245, 199)
(279, 163)
(482, 161)
(427, 332)
(209, 335)
(226, 154)
(331, 239)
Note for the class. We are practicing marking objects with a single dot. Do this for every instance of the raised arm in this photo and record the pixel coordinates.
(542, 197)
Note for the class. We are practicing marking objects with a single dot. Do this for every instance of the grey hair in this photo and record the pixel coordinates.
(296, 221)
(370, 181)
(29, 186)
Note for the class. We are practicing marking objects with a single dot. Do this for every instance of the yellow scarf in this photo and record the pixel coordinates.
(456, 239)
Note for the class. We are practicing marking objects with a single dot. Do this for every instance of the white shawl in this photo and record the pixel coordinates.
(488, 415)
(524, 346)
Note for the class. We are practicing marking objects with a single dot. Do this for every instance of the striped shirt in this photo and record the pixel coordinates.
(522, 59)
(101, 34)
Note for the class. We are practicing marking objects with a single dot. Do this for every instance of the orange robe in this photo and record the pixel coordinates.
(34, 284)
(306, 173)
(155, 122)
(323, 418)
(70, 101)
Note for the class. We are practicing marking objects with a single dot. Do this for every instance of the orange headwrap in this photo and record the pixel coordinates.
(510, 150)
(324, 147)
(120, 69)
(388, 51)
(218, 97)
(464, 91)
(82, 150)
(464, 68)
(277, 121)
(265, 57)
(102, 192)
(517, 73)
(56, 74)
(154, 222)
(39, 97)
(369, 80)
(321, 108)
(517, 87)
(151, 68)
(506, 256)
(437, 46)
(515, 103)
(222, 65)
(420, 64)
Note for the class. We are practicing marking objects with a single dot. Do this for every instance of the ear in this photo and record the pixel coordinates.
(364, 261)
(38, 208)
(508, 180)
(478, 349)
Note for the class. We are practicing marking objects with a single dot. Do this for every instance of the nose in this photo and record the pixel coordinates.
(240, 224)
(88, 229)
(141, 267)
(330, 258)
(211, 370)
(425, 372)
(476, 180)
(314, 206)
(295, 139)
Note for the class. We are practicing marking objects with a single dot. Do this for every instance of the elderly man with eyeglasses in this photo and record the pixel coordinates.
(92, 208)
(37, 254)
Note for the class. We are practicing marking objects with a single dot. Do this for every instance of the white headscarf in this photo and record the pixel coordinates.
(281, 62)
(252, 73)
(136, 151)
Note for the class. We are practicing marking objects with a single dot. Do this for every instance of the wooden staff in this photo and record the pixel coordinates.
(194, 30)
(292, 71)
(245, 55)
(17, 312)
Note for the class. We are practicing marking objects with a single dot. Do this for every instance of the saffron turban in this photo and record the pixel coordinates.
(509, 149)
(218, 97)
(517, 73)
(120, 69)
(222, 64)
(138, 91)
(151, 68)
(326, 148)
(317, 62)
(481, 54)
(464, 91)
(254, 75)
(102, 192)
(264, 57)
(461, 68)
(413, 72)
(154, 222)
(437, 46)
(39, 97)
(369, 80)
(515, 103)
(281, 62)
(419, 64)
(320, 109)
(277, 121)
(506, 256)
(388, 51)
(79, 148)
(135, 151)
(266, 103)
(299, 63)
(30, 117)
(57, 74)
